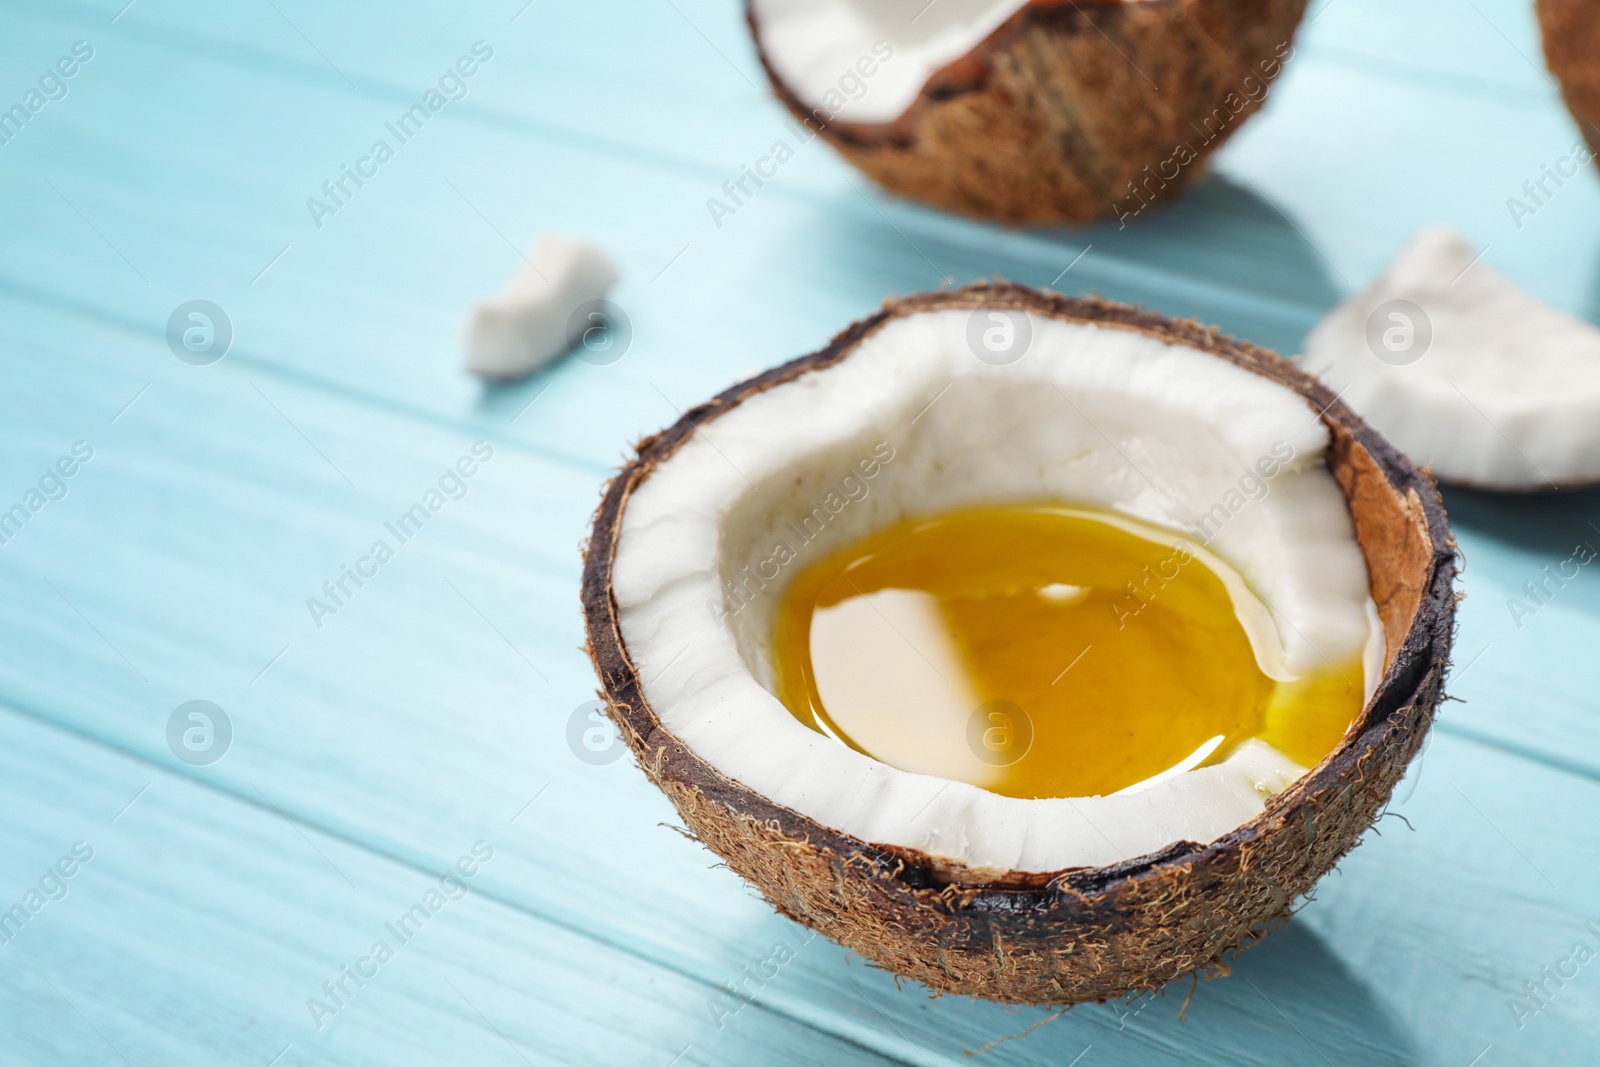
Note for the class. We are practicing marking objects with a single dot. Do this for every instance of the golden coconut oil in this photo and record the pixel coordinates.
(1045, 651)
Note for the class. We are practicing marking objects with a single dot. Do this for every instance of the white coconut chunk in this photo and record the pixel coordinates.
(866, 61)
(1465, 372)
(912, 423)
(534, 318)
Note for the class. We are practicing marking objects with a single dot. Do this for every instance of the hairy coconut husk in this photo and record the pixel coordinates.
(1088, 933)
(1073, 111)
(1572, 48)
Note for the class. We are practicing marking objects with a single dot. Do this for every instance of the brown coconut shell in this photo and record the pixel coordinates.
(1571, 31)
(1073, 110)
(1087, 933)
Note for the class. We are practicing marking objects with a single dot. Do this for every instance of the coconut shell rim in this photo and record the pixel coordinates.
(1564, 27)
(902, 871)
(968, 73)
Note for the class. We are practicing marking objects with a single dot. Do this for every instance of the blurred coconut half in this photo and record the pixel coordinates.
(1038, 111)
(1571, 31)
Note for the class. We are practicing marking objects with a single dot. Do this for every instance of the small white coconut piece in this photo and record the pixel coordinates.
(1465, 372)
(535, 317)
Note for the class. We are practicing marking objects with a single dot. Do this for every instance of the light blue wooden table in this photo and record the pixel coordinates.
(429, 715)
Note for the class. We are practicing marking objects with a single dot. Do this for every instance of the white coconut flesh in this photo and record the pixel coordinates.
(1465, 372)
(1092, 416)
(866, 61)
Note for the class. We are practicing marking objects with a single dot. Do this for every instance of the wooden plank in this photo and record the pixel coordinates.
(408, 721)
(1284, 228)
(229, 918)
(201, 929)
(416, 716)
(1524, 663)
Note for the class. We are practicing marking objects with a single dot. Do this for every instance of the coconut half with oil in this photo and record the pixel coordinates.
(989, 513)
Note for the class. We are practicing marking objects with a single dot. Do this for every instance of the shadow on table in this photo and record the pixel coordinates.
(1499, 532)
(1219, 252)
(1590, 313)
(1224, 232)
(510, 400)
(1548, 523)
(1288, 1002)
